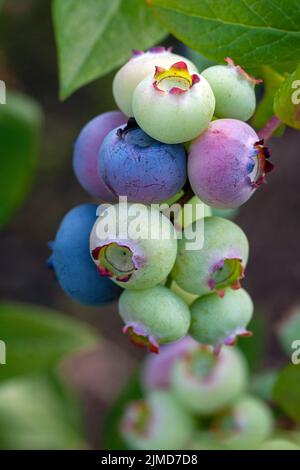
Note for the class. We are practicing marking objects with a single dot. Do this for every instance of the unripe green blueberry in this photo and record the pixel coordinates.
(205, 382)
(136, 69)
(219, 321)
(244, 426)
(153, 316)
(141, 251)
(173, 106)
(279, 444)
(156, 423)
(204, 440)
(218, 264)
(233, 89)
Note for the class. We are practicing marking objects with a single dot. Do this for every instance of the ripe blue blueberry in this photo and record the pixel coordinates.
(71, 261)
(136, 69)
(86, 149)
(133, 164)
(227, 163)
(154, 316)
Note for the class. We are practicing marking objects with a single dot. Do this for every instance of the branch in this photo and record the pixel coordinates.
(269, 128)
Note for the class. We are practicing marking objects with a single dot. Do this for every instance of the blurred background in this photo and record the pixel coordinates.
(28, 64)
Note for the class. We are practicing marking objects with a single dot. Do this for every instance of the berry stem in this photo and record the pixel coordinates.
(269, 128)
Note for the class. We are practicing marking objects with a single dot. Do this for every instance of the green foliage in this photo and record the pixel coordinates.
(262, 384)
(254, 347)
(287, 391)
(289, 331)
(38, 412)
(287, 100)
(37, 338)
(132, 391)
(20, 125)
(93, 37)
(250, 32)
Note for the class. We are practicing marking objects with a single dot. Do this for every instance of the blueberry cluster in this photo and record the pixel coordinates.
(176, 128)
(196, 400)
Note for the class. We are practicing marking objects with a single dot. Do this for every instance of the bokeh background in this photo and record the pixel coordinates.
(270, 219)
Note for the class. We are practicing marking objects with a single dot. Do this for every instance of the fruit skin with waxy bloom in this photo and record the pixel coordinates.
(154, 316)
(133, 164)
(86, 149)
(218, 264)
(246, 425)
(156, 423)
(137, 68)
(71, 261)
(227, 163)
(174, 105)
(133, 262)
(218, 321)
(205, 383)
(233, 89)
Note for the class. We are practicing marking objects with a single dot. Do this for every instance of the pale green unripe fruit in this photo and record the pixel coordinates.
(215, 265)
(156, 423)
(279, 444)
(173, 117)
(218, 321)
(233, 89)
(154, 316)
(141, 251)
(193, 210)
(136, 69)
(246, 425)
(205, 383)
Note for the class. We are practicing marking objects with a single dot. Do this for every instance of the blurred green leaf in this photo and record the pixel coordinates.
(263, 384)
(37, 338)
(94, 37)
(289, 330)
(250, 32)
(287, 100)
(287, 391)
(254, 347)
(20, 126)
(265, 108)
(132, 391)
(39, 413)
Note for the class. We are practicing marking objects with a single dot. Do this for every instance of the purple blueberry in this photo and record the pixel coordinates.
(86, 150)
(71, 261)
(135, 165)
(227, 163)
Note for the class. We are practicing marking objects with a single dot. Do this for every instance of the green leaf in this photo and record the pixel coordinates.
(264, 110)
(262, 384)
(132, 391)
(287, 391)
(39, 412)
(94, 37)
(249, 31)
(20, 125)
(287, 100)
(37, 339)
(289, 331)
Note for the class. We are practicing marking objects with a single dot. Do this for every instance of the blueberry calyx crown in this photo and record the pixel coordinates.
(137, 418)
(175, 80)
(241, 71)
(115, 261)
(140, 338)
(228, 272)
(263, 165)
